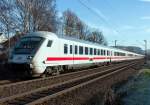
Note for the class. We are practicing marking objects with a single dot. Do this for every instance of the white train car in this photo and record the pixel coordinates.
(45, 52)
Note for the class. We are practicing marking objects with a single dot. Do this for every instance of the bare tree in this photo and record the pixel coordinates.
(7, 17)
(34, 15)
(96, 36)
(80, 27)
(73, 26)
(38, 14)
(28, 15)
(70, 20)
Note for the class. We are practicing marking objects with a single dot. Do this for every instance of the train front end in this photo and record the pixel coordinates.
(22, 58)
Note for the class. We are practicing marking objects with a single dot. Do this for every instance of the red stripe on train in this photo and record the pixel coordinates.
(73, 58)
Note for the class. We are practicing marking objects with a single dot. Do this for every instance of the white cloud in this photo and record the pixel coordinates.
(106, 30)
(147, 30)
(145, 18)
(127, 27)
(109, 33)
(60, 14)
(94, 9)
(145, 0)
(100, 13)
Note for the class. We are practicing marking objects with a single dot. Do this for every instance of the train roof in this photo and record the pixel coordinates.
(49, 35)
(95, 44)
(43, 34)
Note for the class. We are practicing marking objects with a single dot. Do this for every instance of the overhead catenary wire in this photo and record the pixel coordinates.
(82, 2)
(142, 44)
(105, 20)
(96, 14)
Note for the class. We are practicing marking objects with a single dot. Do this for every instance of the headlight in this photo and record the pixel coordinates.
(29, 57)
(31, 66)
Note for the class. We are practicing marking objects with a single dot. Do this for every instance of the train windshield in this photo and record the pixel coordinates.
(28, 45)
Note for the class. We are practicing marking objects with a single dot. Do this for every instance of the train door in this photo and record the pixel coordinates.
(71, 54)
(73, 49)
(91, 53)
(111, 54)
(75, 54)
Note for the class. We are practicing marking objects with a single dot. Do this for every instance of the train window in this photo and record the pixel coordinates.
(49, 43)
(104, 52)
(116, 53)
(101, 52)
(65, 48)
(91, 51)
(111, 53)
(86, 50)
(121, 54)
(94, 51)
(124, 54)
(108, 53)
(76, 49)
(98, 53)
(28, 45)
(80, 50)
(130, 54)
(70, 49)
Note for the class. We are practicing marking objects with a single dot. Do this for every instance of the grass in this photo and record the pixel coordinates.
(146, 72)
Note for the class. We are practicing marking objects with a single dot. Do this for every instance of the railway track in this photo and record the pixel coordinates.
(11, 80)
(25, 86)
(7, 81)
(62, 83)
(3, 82)
(7, 76)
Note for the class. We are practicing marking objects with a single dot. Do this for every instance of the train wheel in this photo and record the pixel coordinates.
(56, 70)
(48, 70)
(65, 68)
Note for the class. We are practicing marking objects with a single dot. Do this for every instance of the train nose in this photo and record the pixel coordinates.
(21, 58)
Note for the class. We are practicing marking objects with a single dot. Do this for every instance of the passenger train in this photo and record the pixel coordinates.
(44, 52)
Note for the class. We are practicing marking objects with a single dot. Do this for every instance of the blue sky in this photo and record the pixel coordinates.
(127, 21)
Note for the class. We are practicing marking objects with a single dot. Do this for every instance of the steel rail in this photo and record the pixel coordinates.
(52, 89)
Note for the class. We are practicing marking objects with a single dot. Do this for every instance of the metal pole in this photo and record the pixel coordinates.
(62, 29)
(145, 51)
(115, 43)
(62, 26)
(8, 43)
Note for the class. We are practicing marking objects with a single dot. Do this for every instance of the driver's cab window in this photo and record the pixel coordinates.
(49, 44)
